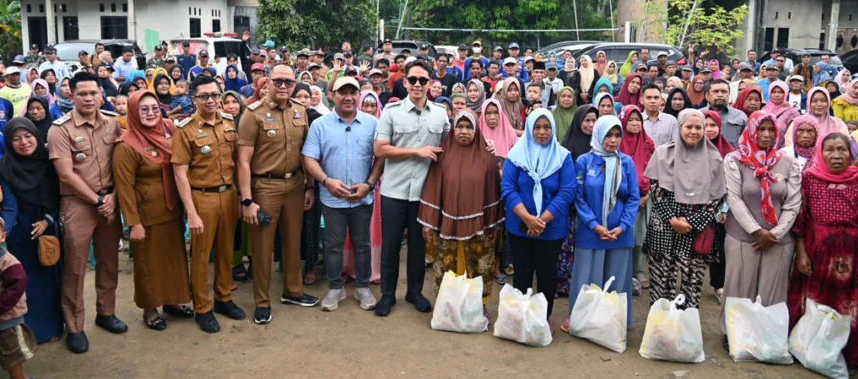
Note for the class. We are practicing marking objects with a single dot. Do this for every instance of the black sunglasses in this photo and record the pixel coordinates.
(414, 79)
(283, 82)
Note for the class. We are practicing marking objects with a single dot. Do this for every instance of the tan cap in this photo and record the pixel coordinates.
(346, 81)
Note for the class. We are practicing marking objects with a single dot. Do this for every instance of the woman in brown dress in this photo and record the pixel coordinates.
(149, 202)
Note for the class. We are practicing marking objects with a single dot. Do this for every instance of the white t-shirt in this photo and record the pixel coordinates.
(794, 100)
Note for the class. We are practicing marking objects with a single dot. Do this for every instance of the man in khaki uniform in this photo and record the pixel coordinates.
(81, 147)
(204, 164)
(272, 180)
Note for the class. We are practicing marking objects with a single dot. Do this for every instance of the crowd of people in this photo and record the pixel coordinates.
(492, 166)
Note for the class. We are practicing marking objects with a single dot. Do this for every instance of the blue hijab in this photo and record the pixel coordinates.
(604, 81)
(822, 75)
(539, 161)
(233, 84)
(613, 163)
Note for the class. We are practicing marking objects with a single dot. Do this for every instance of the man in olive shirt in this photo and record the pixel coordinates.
(408, 136)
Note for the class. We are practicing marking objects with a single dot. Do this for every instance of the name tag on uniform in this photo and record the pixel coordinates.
(79, 139)
(268, 117)
(203, 134)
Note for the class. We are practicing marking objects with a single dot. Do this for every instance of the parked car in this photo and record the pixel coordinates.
(815, 56)
(560, 47)
(619, 52)
(67, 50)
(216, 45)
(850, 61)
(412, 45)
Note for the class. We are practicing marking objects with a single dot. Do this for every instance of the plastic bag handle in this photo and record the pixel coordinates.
(679, 300)
(608, 284)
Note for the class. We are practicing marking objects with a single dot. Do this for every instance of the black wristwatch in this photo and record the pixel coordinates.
(100, 202)
(246, 202)
(371, 185)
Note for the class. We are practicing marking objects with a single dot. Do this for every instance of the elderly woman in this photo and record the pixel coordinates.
(495, 127)
(687, 191)
(804, 135)
(818, 106)
(605, 104)
(460, 208)
(764, 194)
(30, 210)
(749, 101)
(827, 233)
(640, 147)
(318, 101)
(780, 107)
(150, 206)
(607, 203)
(564, 112)
(846, 105)
(539, 188)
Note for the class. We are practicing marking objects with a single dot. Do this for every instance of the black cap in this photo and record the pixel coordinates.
(462, 46)
(404, 50)
(347, 54)
(50, 50)
(424, 46)
(388, 41)
(159, 48)
(805, 55)
(772, 68)
(34, 46)
(498, 48)
(203, 53)
(186, 43)
(82, 53)
(539, 65)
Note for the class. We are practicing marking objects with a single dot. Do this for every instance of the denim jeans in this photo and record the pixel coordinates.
(357, 220)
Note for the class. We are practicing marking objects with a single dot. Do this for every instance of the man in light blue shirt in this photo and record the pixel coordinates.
(60, 69)
(338, 153)
(122, 67)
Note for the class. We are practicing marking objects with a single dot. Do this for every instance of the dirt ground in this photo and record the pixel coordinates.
(352, 343)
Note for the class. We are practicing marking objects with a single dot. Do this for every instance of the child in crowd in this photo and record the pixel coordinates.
(182, 106)
(534, 96)
(17, 340)
(852, 125)
(120, 102)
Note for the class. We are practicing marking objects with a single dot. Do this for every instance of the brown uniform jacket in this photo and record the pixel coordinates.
(89, 146)
(140, 186)
(208, 149)
(277, 136)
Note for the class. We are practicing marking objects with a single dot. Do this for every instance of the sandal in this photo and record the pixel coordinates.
(309, 278)
(643, 279)
(181, 311)
(510, 270)
(565, 326)
(501, 279)
(157, 323)
(239, 273)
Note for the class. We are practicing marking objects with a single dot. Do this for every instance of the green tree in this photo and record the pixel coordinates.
(317, 23)
(10, 27)
(709, 25)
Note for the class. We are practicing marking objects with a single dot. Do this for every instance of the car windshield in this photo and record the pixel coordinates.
(196, 46)
(67, 51)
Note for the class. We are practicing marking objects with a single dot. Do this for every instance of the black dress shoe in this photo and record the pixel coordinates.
(229, 309)
(181, 311)
(420, 302)
(304, 300)
(384, 306)
(111, 324)
(77, 342)
(208, 322)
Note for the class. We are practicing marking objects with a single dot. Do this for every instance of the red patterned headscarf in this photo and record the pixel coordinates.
(761, 161)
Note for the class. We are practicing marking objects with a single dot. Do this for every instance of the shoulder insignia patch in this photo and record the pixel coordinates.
(297, 103)
(255, 105)
(108, 113)
(226, 116)
(186, 121)
(62, 120)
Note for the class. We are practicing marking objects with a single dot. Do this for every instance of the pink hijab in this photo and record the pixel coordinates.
(827, 123)
(44, 84)
(820, 170)
(503, 135)
(715, 66)
(364, 95)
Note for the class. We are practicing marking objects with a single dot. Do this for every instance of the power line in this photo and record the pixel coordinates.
(509, 30)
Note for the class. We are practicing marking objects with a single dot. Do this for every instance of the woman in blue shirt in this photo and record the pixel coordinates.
(538, 187)
(607, 201)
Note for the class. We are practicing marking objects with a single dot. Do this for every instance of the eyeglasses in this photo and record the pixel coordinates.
(283, 82)
(414, 79)
(207, 96)
(147, 110)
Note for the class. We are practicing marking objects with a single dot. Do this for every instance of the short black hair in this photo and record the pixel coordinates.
(650, 86)
(367, 48)
(81, 77)
(97, 44)
(398, 57)
(752, 51)
(200, 81)
(418, 63)
(477, 61)
(231, 56)
(717, 81)
(494, 62)
(127, 49)
(382, 60)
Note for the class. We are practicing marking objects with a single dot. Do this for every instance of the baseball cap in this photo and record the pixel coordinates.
(477, 43)
(351, 70)
(34, 46)
(670, 63)
(795, 77)
(462, 46)
(528, 59)
(388, 41)
(424, 46)
(268, 43)
(19, 59)
(514, 45)
(304, 53)
(509, 60)
(687, 68)
(312, 66)
(284, 48)
(772, 67)
(347, 54)
(159, 48)
(255, 52)
(805, 55)
(705, 69)
(346, 81)
(171, 59)
(662, 53)
(319, 52)
(375, 71)
(339, 56)
(203, 53)
(50, 50)
(257, 67)
(745, 66)
(186, 43)
(552, 67)
(82, 53)
(497, 48)
(12, 70)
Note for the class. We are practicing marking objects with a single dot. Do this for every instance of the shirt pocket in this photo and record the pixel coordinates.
(81, 148)
(404, 128)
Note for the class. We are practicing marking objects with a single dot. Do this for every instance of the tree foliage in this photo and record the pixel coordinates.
(10, 27)
(317, 23)
(710, 26)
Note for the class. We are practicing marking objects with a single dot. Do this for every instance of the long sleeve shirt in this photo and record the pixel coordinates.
(558, 193)
(589, 200)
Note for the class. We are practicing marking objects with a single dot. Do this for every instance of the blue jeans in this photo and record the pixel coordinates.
(358, 221)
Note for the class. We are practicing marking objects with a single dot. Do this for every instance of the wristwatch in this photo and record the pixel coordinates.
(100, 201)
(246, 202)
(371, 185)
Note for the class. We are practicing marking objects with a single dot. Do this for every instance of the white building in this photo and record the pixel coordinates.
(131, 19)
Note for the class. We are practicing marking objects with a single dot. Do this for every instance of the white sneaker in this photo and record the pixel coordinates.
(366, 299)
(332, 300)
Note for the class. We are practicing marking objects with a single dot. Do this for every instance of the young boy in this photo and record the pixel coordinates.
(120, 103)
(852, 125)
(17, 340)
(182, 106)
(534, 96)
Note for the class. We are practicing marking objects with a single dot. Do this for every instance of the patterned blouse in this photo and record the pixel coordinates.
(661, 238)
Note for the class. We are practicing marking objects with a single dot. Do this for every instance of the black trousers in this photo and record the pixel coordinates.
(396, 217)
(540, 256)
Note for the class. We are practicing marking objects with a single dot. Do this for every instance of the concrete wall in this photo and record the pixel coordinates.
(802, 17)
(648, 28)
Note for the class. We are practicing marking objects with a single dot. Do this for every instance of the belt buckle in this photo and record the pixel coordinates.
(222, 188)
(288, 175)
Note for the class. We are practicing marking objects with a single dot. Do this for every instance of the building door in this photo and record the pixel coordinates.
(769, 40)
(783, 37)
(38, 29)
(70, 28)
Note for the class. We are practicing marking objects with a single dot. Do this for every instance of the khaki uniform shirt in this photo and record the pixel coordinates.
(276, 134)
(88, 145)
(208, 149)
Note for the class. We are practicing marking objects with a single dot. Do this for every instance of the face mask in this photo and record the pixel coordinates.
(477, 50)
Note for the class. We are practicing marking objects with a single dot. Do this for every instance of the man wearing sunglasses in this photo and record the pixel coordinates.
(408, 136)
(203, 160)
(272, 181)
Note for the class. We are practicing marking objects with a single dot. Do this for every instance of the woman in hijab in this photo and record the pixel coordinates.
(436, 90)
(750, 100)
(163, 87)
(827, 231)
(671, 83)
(40, 89)
(232, 81)
(511, 104)
(175, 73)
(818, 106)
(630, 94)
(832, 87)
(476, 95)
(779, 107)
(32, 74)
(607, 204)
(820, 73)
(30, 210)
(318, 101)
(696, 91)
(604, 85)
(677, 101)
(64, 102)
(458, 88)
(495, 127)
(539, 188)
(846, 105)
(715, 66)
(233, 104)
(687, 191)
(37, 111)
(105, 81)
(150, 206)
(613, 75)
(365, 104)
(564, 112)
(50, 77)
(584, 80)
(601, 63)
(262, 88)
(305, 77)
(626, 68)
(577, 139)
(448, 105)
(804, 135)
(604, 102)
(460, 208)
(640, 147)
(717, 268)
(764, 195)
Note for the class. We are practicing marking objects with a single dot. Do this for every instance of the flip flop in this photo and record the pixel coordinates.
(181, 311)
(565, 326)
(157, 323)
(501, 279)
(310, 278)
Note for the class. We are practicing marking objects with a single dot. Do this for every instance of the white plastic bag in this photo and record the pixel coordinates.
(600, 316)
(672, 334)
(522, 317)
(757, 333)
(818, 339)
(459, 305)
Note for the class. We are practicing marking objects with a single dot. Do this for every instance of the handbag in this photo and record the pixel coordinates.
(49, 250)
(703, 241)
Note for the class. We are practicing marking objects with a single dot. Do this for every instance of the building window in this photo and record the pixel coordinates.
(41, 8)
(196, 28)
(114, 27)
(101, 7)
(769, 40)
(70, 28)
(215, 26)
(240, 24)
(821, 41)
(64, 8)
(125, 7)
(113, 7)
(789, 15)
(29, 8)
(776, 15)
(783, 37)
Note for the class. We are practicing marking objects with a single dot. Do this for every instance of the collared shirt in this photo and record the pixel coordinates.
(406, 126)
(59, 68)
(122, 68)
(345, 151)
(764, 87)
(664, 129)
(733, 122)
(186, 62)
(276, 134)
(89, 146)
(208, 149)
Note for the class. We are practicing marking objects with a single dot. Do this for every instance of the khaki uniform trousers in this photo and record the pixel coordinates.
(83, 226)
(283, 199)
(219, 213)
